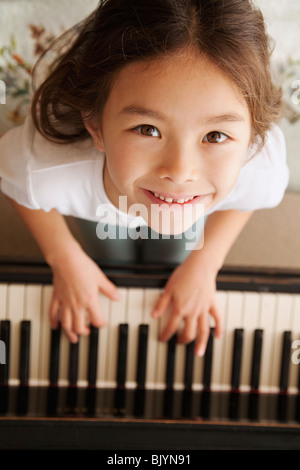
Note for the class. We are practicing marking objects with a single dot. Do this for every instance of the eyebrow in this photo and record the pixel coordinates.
(141, 111)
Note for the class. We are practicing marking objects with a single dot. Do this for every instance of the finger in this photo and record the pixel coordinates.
(95, 314)
(79, 323)
(189, 331)
(214, 311)
(54, 310)
(161, 306)
(172, 325)
(67, 324)
(203, 335)
(108, 288)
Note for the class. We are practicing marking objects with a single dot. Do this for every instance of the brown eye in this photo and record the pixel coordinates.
(148, 130)
(215, 137)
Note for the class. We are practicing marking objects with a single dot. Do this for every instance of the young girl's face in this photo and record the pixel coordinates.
(173, 128)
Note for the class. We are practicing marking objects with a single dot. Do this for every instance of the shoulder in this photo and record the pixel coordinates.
(264, 177)
(267, 171)
(268, 166)
(45, 175)
(26, 143)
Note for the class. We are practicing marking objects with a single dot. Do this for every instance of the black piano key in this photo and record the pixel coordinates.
(93, 355)
(189, 365)
(208, 357)
(24, 352)
(54, 356)
(170, 365)
(122, 355)
(5, 337)
(285, 361)
(73, 363)
(142, 356)
(237, 358)
(256, 359)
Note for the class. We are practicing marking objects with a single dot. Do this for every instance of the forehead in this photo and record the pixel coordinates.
(184, 78)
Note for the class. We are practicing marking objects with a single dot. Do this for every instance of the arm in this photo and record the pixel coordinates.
(76, 278)
(189, 295)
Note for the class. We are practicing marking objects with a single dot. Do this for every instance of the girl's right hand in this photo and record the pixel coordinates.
(77, 281)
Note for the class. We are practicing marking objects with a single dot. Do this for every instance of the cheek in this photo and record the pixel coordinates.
(226, 174)
(121, 166)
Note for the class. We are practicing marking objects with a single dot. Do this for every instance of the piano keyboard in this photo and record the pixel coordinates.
(256, 352)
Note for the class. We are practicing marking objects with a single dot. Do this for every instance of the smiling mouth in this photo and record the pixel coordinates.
(172, 200)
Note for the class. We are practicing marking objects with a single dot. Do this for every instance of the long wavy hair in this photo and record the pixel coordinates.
(87, 58)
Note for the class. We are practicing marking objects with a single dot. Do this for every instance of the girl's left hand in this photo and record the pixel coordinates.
(189, 295)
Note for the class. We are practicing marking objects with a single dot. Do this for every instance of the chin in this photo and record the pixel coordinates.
(175, 223)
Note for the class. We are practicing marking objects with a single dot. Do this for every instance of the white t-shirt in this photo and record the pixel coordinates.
(40, 174)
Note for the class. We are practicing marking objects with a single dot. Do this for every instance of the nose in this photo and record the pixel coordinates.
(180, 164)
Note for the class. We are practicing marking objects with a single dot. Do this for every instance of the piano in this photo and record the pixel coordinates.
(121, 388)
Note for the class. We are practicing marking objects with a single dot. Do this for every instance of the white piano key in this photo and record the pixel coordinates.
(266, 323)
(283, 323)
(32, 312)
(235, 307)
(134, 317)
(45, 335)
(250, 322)
(151, 297)
(103, 342)
(219, 343)
(15, 309)
(295, 353)
(117, 315)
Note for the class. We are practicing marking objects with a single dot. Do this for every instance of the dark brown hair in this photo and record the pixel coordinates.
(230, 33)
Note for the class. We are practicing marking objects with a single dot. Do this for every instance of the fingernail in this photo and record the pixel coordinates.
(201, 352)
(155, 313)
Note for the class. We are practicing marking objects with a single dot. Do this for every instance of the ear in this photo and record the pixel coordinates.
(94, 130)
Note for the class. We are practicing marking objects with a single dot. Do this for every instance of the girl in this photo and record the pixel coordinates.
(169, 104)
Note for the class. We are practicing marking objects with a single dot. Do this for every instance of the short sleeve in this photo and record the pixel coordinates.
(14, 165)
(263, 179)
